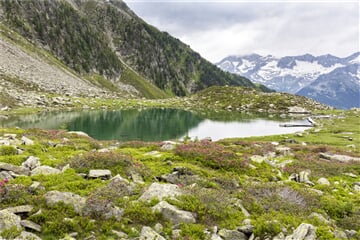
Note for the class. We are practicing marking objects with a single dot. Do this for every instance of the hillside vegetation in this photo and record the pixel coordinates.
(105, 38)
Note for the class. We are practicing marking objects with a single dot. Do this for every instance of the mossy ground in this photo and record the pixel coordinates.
(225, 173)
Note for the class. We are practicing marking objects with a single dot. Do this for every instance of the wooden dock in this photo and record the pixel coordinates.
(309, 119)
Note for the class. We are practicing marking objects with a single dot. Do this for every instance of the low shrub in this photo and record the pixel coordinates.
(7, 150)
(192, 231)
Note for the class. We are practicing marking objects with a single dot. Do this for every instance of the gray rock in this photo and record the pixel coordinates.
(323, 181)
(35, 186)
(76, 201)
(26, 141)
(79, 133)
(168, 145)
(21, 209)
(31, 163)
(214, 236)
(100, 173)
(257, 159)
(147, 233)
(232, 235)
(247, 229)
(285, 151)
(158, 228)
(298, 110)
(27, 236)
(320, 217)
(350, 233)
(137, 178)
(5, 175)
(160, 191)
(350, 175)
(120, 235)
(173, 214)
(340, 158)
(115, 212)
(8, 220)
(304, 231)
(30, 225)
(338, 234)
(45, 170)
(15, 169)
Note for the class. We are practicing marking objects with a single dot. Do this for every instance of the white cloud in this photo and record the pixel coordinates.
(218, 29)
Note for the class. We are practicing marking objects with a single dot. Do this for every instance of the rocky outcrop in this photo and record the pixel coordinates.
(174, 214)
(147, 233)
(232, 235)
(31, 163)
(14, 169)
(45, 170)
(340, 158)
(303, 232)
(54, 197)
(8, 220)
(160, 191)
(99, 173)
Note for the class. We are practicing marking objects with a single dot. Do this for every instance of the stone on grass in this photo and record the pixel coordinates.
(100, 173)
(174, 214)
(79, 133)
(340, 158)
(160, 191)
(21, 209)
(45, 170)
(232, 235)
(257, 159)
(304, 231)
(76, 201)
(27, 141)
(147, 233)
(27, 236)
(31, 162)
(8, 220)
(323, 181)
(15, 169)
(30, 225)
(5, 175)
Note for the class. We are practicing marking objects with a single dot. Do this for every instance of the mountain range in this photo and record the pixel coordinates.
(100, 45)
(328, 79)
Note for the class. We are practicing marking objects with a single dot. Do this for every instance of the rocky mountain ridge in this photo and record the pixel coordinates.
(106, 44)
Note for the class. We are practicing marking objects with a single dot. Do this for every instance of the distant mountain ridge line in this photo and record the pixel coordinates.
(293, 73)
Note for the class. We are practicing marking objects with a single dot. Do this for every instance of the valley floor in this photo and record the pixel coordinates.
(58, 184)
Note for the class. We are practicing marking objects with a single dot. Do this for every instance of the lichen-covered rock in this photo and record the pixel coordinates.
(45, 170)
(27, 236)
(8, 220)
(31, 162)
(16, 169)
(26, 141)
(323, 181)
(21, 209)
(232, 235)
(174, 214)
(100, 173)
(76, 201)
(147, 233)
(304, 231)
(160, 191)
(30, 225)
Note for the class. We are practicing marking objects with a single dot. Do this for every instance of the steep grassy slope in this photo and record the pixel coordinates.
(106, 37)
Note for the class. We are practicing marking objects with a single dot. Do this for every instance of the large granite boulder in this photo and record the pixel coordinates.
(160, 191)
(76, 201)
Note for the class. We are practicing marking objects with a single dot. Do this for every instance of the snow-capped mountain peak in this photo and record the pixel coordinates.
(289, 73)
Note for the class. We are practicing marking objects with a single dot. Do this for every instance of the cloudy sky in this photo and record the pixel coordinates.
(217, 28)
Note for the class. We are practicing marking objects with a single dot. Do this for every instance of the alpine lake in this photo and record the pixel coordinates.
(156, 124)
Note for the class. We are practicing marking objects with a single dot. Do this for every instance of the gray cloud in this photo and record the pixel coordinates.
(218, 29)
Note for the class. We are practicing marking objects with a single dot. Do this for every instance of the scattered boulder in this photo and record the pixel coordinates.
(232, 235)
(76, 201)
(31, 162)
(160, 191)
(298, 110)
(137, 178)
(27, 236)
(302, 177)
(79, 133)
(246, 229)
(30, 225)
(323, 181)
(320, 217)
(5, 175)
(147, 233)
(284, 151)
(21, 209)
(173, 214)
(180, 175)
(304, 231)
(45, 170)
(8, 220)
(168, 145)
(257, 159)
(340, 158)
(26, 141)
(100, 173)
(15, 169)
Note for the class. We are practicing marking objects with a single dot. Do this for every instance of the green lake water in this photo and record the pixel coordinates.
(154, 124)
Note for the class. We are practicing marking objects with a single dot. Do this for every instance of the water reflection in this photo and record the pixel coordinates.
(150, 124)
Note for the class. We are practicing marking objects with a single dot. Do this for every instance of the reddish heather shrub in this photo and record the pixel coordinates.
(210, 154)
